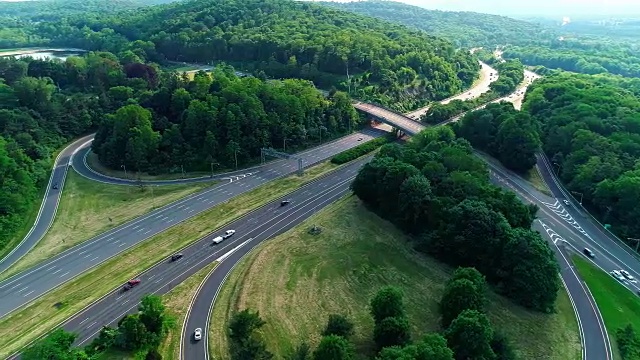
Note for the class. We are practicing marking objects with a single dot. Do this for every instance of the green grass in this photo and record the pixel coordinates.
(88, 208)
(177, 302)
(40, 316)
(616, 303)
(296, 280)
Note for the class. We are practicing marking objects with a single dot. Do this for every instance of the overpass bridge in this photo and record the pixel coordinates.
(401, 122)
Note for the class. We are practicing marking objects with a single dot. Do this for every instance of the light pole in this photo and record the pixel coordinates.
(125, 171)
(558, 168)
(182, 169)
(212, 163)
(637, 242)
(284, 144)
(578, 193)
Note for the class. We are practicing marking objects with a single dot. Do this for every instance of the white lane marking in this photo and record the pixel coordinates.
(147, 232)
(15, 286)
(192, 210)
(23, 289)
(87, 256)
(57, 271)
(82, 322)
(29, 293)
(95, 258)
(135, 227)
(121, 245)
(63, 275)
(82, 252)
(141, 229)
(90, 325)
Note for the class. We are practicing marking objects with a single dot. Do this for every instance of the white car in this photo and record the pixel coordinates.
(218, 239)
(197, 335)
(616, 274)
(627, 275)
(566, 202)
(229, 232)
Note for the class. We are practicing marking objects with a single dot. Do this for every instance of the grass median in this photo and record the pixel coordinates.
(618, 306)
(88, 208)
(177, 302)
(40, 316)
(297, 279)
(533, 176)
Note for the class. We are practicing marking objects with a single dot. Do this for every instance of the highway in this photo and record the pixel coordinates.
(251, 229)
(568, 239)
(28, 285)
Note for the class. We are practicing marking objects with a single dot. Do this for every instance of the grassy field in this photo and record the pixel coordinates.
(177, 302)
(618, 305)
(296, 280)
(40, 316)
(533, 176)
(88, 208)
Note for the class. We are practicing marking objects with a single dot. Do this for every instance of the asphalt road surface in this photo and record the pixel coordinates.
(28, 285)
(567, 239)
(251, 229)
(48, 207)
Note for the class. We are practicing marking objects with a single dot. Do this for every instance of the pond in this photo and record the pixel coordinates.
(61, 54)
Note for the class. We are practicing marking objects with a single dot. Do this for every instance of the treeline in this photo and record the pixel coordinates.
(218, 119)
(591, 134)
(588, 57)
(147, 120)
(376, 61)
(437, 190)
(18, 18)
(42, 106)
(507, 134)
(464, 29)
(140, 333)
(467, 333)
(511, 75)
(628, 341)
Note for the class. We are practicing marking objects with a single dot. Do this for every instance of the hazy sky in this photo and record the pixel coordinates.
(537, 7)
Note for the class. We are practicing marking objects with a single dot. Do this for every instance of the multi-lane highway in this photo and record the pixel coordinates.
(252, 228)
(22, 288)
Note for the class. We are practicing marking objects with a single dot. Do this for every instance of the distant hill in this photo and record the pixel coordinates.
(465, 29)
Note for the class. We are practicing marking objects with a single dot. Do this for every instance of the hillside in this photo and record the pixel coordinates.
(465, 29)
(385, 63)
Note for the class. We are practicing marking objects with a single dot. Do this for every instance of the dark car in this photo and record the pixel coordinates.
(589, 253)
(130, 284)
(55, 186)
(285, 202)
(176, 257)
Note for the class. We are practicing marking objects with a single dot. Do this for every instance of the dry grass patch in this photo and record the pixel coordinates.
(533, 176)
(296, 280)
(88, 208)
(177, 303)
(40, 316)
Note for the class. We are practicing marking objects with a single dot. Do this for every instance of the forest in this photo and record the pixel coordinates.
(590, 131)
(435, 189)
(373, 60)
(18, 19)
(464, 29)
(147, 120)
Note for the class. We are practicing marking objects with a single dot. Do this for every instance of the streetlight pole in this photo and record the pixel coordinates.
(637, 242)
(284, 144)
(182, 169)
(558, 168)
(125, 171)
(235, 155)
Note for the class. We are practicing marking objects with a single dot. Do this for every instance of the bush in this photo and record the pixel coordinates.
(356, 152)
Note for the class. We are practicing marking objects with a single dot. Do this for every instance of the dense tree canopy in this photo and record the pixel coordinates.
(465, 29)
(376, 61)
(464, 220)
(591, 133)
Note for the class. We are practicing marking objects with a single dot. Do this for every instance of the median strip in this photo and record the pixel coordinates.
(50, 310)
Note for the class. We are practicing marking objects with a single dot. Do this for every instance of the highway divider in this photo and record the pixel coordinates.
(358, 151)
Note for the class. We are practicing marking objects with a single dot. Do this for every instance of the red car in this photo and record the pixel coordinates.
(131, 283)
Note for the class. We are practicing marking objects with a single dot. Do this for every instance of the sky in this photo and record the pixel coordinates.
(554, 8)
